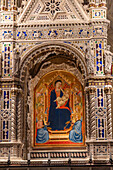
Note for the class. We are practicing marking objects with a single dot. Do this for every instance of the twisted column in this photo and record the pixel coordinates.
(87, 113)
(92, 91)
(19, 117)
(13, 115)
(0, 64)
(109, 113)
(0, 98)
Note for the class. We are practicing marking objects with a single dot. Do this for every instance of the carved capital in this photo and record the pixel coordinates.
(20, 91)
(108, 90)
(86, 90)
(92, 90)
(14, 91)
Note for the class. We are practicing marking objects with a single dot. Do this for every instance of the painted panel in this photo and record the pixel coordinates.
(58, 111)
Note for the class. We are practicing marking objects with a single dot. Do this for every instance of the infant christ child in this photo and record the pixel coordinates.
(62, 100)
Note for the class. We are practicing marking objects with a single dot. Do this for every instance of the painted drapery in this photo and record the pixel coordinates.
(58, 110)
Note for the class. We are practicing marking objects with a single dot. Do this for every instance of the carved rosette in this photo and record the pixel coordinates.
(92, 91)
(87, 112)
(13, 115)
(108, 91)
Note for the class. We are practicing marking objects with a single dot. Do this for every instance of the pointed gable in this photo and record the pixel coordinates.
(53, 11)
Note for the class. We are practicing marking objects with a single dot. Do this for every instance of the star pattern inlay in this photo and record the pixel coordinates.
(52, 7)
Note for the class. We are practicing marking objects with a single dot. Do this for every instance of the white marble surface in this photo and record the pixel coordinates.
(110, 17)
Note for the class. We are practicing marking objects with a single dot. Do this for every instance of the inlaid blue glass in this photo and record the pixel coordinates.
(100, 46)
(102, 102)
(3, 124)
(5, 49)
(7, 104)
(97, 68)
(97, 92)
(7, 135)
(102, 133)
(98, 122)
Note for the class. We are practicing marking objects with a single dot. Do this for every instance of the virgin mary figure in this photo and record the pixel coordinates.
(59, 116)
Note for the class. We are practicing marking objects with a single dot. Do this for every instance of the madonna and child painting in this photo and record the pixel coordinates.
(58, 110)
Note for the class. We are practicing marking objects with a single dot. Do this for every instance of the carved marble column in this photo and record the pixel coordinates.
(108, 91)
(0, 110)
(92, 91)
(87, 112)
(13, 114)
(19, 115)
(0, 97)
(0, 64)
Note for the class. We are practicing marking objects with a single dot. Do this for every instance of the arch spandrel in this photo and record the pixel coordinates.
(39, 53)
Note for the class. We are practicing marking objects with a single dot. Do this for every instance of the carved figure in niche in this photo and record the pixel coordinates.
(16, 61)
(7, 35)
(22, 35)
(108, 60)
(68, 33)
(52, 33)
(59, 114)
(90, 60)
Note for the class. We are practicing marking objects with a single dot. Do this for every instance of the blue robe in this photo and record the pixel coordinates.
(42, 135)
(75, 134)
(58, 117)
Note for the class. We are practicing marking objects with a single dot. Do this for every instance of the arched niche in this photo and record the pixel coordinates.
(35, 65)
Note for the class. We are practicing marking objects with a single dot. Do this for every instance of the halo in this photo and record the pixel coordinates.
(58, 78)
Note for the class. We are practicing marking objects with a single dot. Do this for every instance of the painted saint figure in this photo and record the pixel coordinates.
(42, 133)
(59, 114)
(75, 134)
